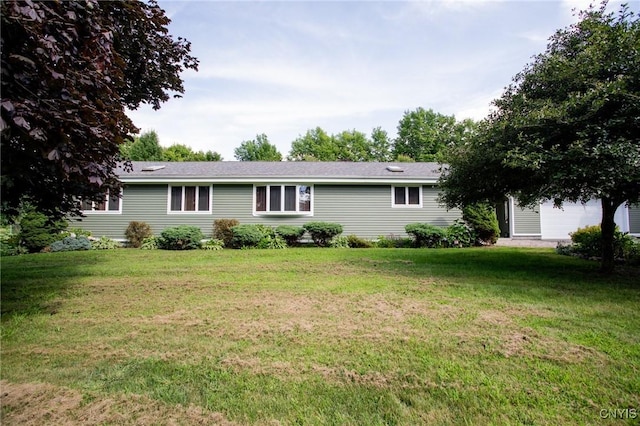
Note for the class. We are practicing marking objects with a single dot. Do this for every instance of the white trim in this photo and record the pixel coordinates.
(406, 205)
(282, 212)
(106, 211)
(184, 180)
(182, 211)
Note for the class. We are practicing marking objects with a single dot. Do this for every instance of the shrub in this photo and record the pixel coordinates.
(459, 234)
(79, 232)
(38, 231)
(150, 243)
(393, 241)
(482, 219)
(9, 243)
(291, 234)
(222, 230)
(273, 242)
(71, 244)
(104, 243)
(587, 242)
(426, 235)
(213, 244)
(339, 241)
(183, 237)
(357, 242)
(322, 232)
(245, 236)
(136, 233)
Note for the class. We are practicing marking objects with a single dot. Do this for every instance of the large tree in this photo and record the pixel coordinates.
(566, 129)
(258, 149)
(349, 145)
(145, 147)
(425, 135)
(69, 70)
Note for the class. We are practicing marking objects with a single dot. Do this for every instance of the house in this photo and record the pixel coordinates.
(368, 199)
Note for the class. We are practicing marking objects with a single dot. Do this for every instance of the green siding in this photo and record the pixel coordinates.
(526, 221)
(363, 210)
(634, 219)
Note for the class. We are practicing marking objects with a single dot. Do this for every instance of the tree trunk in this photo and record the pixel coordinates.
(608, 227)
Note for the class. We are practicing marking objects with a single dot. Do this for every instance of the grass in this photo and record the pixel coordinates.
(318, 336)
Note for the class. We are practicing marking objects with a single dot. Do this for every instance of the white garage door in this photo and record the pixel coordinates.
(556, 224)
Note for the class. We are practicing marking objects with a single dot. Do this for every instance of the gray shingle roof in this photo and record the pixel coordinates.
(244, 170)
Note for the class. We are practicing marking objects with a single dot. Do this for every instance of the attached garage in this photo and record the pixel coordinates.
(556, 224)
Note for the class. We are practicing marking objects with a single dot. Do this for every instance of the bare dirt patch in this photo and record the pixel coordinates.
(35, 404)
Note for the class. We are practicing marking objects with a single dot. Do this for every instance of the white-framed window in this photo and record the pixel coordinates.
(189, 199)
(406, 196)
(110, 204)
(283, 199)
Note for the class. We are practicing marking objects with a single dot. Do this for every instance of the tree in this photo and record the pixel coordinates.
(146, 147)
(69, 70)
(349, 145)
(425, 135)
(180, 152)
(258, 149)
(380, 145)
(566, 129)
(315, 145)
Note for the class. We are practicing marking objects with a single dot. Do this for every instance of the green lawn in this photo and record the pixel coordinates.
(318, 336)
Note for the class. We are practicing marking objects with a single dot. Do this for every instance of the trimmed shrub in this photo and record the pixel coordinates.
(105, 243)
(136, 233)
(482, 219)
(426, 235)
(357, 242)
(71, 244)
(213, 244)
(183, 237)
(459, 234)
(150, 243)
(222, 230)
(38, 231)
(245, 236)
(322, 232)
(290, 233)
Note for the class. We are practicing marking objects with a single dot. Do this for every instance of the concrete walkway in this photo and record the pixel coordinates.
(510, 242)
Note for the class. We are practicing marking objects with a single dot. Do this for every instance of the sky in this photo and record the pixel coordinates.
(284, 67)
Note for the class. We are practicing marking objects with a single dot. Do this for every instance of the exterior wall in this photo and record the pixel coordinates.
(634, 219)
(362, 210)
(525, 222)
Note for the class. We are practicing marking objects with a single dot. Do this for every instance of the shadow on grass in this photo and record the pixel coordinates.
(34, 283)
(512, 270)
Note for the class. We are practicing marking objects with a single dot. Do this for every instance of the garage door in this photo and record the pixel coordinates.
(556, 224)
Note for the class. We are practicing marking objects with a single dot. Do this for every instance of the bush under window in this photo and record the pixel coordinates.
(184, 237)
(322, 232)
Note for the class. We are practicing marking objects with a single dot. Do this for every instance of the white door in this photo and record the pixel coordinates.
(556, 224)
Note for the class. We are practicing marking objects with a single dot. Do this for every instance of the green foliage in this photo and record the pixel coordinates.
(290, 233)
(356, 242)
(322, 232)
(183, 237)
(149, 243)
(38, 231)
(213, 244)
(71, 244)
(222, 230)
(69, 72)
(180, 152)
(393, 241)
(349, 145)
(339, 241)
(482, 219)
(79, 232)
(105, 243)
(587, 242)
(245, 236)
(427, 235)
(459, 234)
(10, 243)
(272, 241)
(137, 232)
(258, 149)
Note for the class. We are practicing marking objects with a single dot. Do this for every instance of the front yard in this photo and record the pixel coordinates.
(318, 336)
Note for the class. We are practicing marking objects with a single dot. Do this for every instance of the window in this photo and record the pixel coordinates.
(406, 196)
(284, 199)
(190, 199)
(110, 204)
